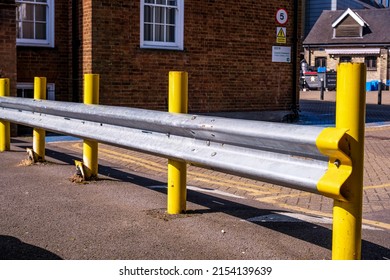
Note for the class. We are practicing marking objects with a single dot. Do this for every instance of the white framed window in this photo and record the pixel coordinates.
(162, 24)
(26, 90)
(35, 23)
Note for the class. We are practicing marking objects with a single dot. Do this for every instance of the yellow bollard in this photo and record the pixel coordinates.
(90, 147)
(5, 135)
(38, 133)
(177, 170)
(350, 114)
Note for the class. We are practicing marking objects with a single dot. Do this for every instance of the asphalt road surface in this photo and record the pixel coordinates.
(45, 215)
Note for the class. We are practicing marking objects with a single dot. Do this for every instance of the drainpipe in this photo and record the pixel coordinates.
(294, 106)
(75, 51)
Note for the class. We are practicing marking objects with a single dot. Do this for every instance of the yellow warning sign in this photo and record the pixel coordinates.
(281, 35)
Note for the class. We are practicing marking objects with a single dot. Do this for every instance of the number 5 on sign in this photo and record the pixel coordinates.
(281, 16)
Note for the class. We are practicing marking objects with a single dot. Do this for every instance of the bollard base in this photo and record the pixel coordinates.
(81, 175)
(33, 157)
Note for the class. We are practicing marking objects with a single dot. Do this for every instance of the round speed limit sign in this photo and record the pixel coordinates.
(281, 16)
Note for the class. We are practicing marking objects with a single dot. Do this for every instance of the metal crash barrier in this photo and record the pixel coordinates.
(325, 161)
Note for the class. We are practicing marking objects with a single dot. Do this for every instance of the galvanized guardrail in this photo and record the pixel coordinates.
(312, 159)
(281, 154)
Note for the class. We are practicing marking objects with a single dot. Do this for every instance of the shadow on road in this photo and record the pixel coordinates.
(12, 248)
(322, 113)
(312, 233)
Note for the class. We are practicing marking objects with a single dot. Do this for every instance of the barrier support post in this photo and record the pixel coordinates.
(5, 135)
(90, 147)
(38, 133)
(177, 170)
(350, 114)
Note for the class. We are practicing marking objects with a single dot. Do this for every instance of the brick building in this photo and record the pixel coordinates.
(227, 47)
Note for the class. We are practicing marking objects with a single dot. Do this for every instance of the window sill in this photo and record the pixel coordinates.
(35, 44)
(162, 47)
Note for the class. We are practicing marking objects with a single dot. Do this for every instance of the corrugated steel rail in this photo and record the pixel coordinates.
(282, 154)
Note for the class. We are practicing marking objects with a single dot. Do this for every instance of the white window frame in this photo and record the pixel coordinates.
(49, 41)
(51, 89)
(179, 30)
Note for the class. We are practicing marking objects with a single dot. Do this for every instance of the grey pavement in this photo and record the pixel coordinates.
(44, 215)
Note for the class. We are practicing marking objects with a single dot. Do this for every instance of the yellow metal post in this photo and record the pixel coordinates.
(38, 133)
(177, 170)
(350, 114)
(90, 147)
(5, 140)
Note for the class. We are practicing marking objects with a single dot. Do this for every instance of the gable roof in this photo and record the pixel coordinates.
(378, 32)
(354, 15)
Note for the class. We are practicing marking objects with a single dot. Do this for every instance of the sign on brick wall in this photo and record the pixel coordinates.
(281, 16)
(281, 54)
(281, 35)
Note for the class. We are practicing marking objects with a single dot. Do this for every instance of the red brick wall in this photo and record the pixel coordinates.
(7, 42)
(52, 63)
(86, 21)
(228, 49)
(7, 46)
